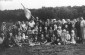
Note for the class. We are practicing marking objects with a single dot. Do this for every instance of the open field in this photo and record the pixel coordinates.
(45, 50)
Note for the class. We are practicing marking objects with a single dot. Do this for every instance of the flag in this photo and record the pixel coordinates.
(27, 12)
(28, 16)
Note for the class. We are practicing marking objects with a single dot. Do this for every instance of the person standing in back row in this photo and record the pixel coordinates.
(82, 25)
(78, 31)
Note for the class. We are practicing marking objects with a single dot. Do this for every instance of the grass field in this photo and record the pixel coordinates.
(45, 50)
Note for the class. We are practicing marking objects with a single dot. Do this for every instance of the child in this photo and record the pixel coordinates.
(68, 37)
(43, 40)
(63, 36)
(59, 31)
(53, 39)
(73, 37)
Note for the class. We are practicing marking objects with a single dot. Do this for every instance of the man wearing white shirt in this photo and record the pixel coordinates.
(31, 23)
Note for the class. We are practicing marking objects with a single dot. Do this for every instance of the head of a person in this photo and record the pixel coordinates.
(72, 31)
(50, 28)
(63, 21)
(55, 25)
(74, 20)
(36, 26)
(66, 26)
(53, 35)
(59, 21)
(48, 20)
(64, 30)
(59, 28)
(42, 36)
(67, 32)
(78, 19)
(81, 18)
(40, 27)
(46, 23)
(68, 20)
(45, 28)
(14, 26)
(19, 22)
(54, 20)
(4, 23)
(10, 34)
(37, 18)
(29, 28)
(47, 35)
(27, 22)
(15, 36)
(19, 33)
(23, 22)
(2, 34)
(40, 21)
(23, 35)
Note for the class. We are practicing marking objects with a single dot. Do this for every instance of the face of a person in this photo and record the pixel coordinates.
(2, 34)
(18, 22)
(10, 34)
(42, 36)
(74, 20)
(66, 26)
(19, 33)
(15, 35)
(67, 32)
(40, 27)
(23, 22)
(68, 20)
(47, 35)
(45, 28)
(50, 27)
(53, 35)
(77, 19)
(23, 34)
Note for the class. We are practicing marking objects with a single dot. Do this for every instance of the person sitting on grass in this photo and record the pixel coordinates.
(63, 37)
(73, 41)
(18, 39)
(43, 40)
(68, 37)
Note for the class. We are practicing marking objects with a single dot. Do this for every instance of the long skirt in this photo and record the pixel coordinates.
(83, 32)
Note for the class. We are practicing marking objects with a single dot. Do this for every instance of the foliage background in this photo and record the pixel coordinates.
(44, 13)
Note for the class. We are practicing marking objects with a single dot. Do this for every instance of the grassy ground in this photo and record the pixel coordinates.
(45, 50)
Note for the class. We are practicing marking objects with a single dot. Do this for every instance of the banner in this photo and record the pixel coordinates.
(27, 12)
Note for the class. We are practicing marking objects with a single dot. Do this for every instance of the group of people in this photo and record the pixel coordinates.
(38, 32)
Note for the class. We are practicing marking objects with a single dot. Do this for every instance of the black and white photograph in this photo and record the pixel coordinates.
(42, 27)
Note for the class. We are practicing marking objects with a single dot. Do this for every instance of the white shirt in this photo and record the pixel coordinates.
(82, 24)
(31, 24)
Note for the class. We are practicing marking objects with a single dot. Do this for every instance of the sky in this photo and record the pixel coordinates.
(30, 4)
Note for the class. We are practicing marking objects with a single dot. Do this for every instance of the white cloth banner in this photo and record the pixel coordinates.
(27, 13)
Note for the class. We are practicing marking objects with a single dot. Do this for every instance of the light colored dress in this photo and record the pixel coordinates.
(68, 37)
(63, 37)
(73, 38)
(82, 25)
